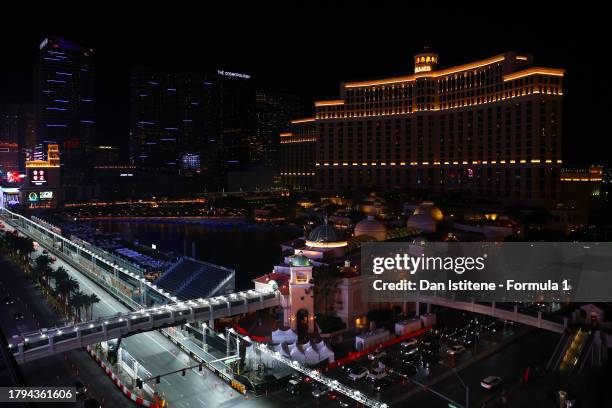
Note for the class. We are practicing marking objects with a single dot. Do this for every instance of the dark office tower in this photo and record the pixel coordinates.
(274, 110)
(172, 120)
(236, 119)
(64, 103)
(17, 126)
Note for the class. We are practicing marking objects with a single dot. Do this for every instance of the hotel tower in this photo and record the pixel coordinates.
(491, 127)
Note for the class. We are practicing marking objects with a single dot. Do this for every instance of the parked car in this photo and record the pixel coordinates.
(332, 395)
(377, 354)
(491, 382)
(18, 316)
(409, 342)
(385, 362)
(381, 384)
(455, 350)
(376, 374)
(8, 300)
(408, 350)
(347, 368)
(319, 390)
(358, 373)
(344, 402)
(295, 387)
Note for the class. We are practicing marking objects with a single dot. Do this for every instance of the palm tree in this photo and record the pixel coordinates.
(78, 300)
(91, 301)
(41, 269)
(65, 285)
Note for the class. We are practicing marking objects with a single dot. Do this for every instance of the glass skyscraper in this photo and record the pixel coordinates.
(64, 102)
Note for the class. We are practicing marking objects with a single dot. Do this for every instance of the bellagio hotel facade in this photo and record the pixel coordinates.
(491, 127)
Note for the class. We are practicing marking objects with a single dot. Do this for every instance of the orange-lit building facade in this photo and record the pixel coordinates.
(492, 127)
(298, 154)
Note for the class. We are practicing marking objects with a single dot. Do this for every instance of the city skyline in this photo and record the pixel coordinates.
(317, 77)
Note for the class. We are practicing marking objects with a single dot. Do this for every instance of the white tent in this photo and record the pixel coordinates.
(284, 336)
(325, 352)
(283, 349)
(298, 355)
(312, 355)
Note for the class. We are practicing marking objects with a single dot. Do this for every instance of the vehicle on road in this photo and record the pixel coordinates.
(332, 395)
(408, 350)
(358, 373)
(385, 362)
(8, 300)
(294, 387)
(491, 382)
(565, 399)
(319, 390)
(409, 343)
(381, 384)
(344, 403)
(378, 354)
(81, 389)
(455, 350)
(347, 368)
(18, 316)
(376, 374)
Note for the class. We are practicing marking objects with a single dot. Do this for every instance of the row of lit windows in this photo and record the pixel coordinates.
(446, 163)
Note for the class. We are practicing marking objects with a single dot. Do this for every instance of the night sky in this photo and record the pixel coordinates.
(308, 48)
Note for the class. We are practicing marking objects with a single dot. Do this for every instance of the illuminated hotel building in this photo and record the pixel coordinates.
(491, 127)
(298, 154)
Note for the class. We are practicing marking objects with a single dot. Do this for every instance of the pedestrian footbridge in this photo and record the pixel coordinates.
(46, 342)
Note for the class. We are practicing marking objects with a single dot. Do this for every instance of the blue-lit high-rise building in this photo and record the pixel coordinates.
(64, 103)
(171, 118)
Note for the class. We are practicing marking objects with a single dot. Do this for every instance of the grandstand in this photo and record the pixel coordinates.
(189, 278)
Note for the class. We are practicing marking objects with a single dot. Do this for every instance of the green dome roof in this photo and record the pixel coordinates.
(300, 260)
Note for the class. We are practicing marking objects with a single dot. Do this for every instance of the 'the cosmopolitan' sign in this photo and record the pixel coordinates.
(233, 74)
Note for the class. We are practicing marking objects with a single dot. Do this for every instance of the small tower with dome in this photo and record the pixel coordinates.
(299, 315)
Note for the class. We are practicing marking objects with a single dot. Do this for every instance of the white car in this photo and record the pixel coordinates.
(377, 354)
(409, 343)
(491, 382)
(358, 373)
(376, 374)
(455, 350)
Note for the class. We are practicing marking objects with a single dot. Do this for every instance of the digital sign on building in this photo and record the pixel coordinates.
(38, 177)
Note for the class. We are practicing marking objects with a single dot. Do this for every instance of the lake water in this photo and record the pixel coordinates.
(250, 249)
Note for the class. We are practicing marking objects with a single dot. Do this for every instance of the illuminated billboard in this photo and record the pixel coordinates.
(13, 177)
(45, 195)
(38, 177)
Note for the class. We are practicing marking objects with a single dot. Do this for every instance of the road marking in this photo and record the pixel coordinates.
(202, 402)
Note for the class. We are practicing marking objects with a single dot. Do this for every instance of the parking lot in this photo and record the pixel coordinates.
(395, 373)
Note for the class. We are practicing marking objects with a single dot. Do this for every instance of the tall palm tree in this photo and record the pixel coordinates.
(65, 285)
(91, 301)
(42, 268)
(78, 301)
